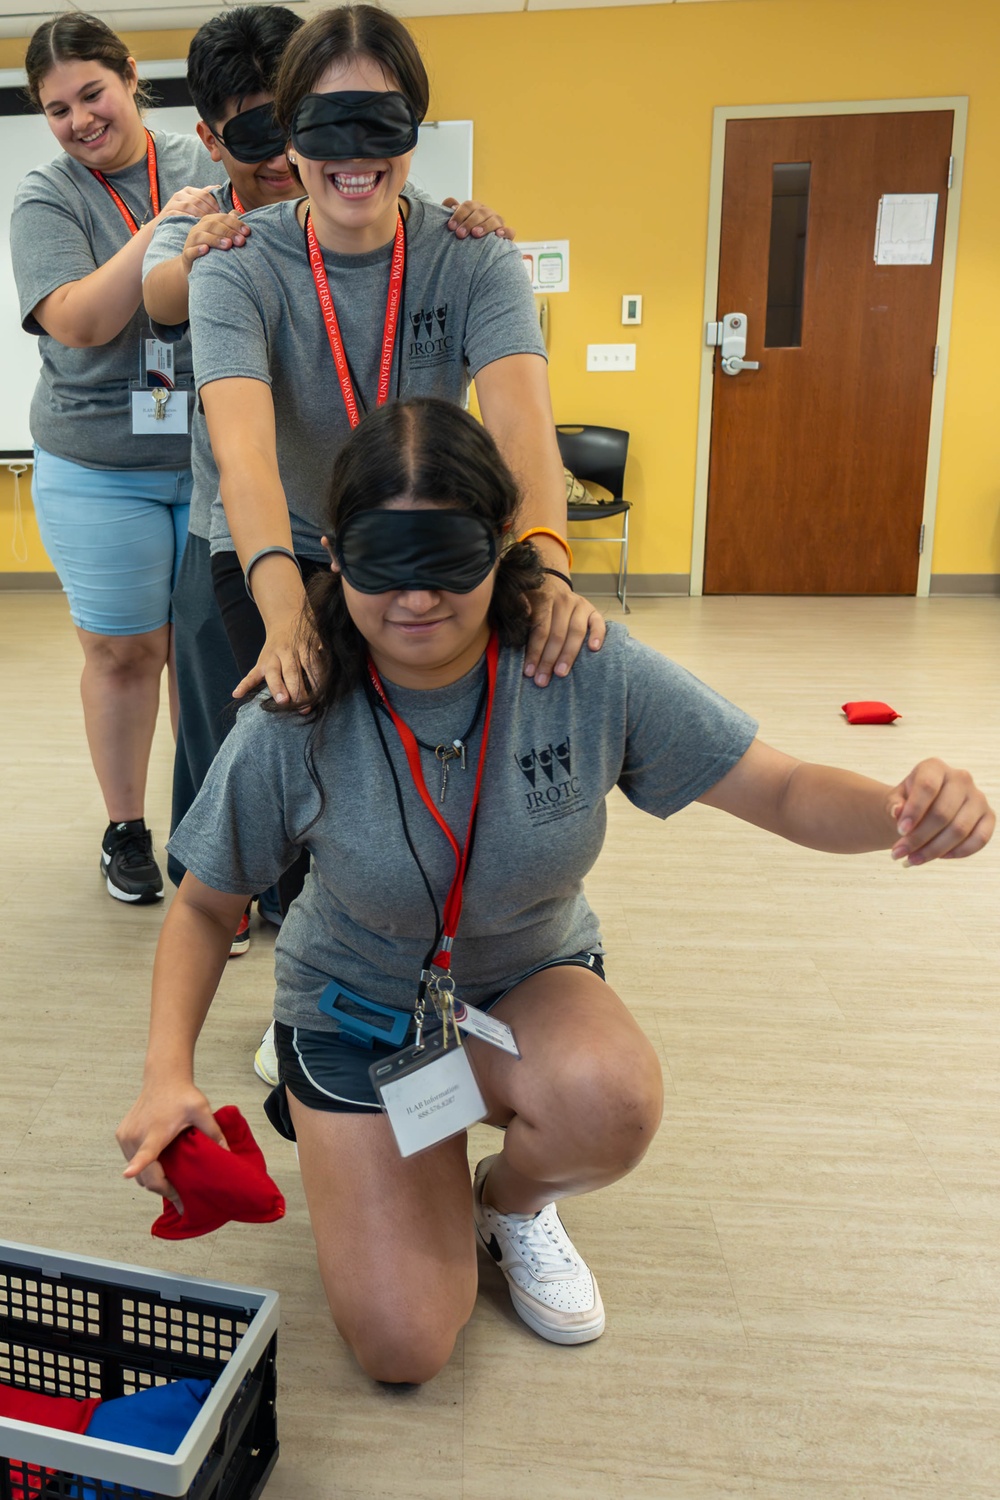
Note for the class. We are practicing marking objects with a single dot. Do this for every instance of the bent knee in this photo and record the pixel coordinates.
(618, 1104)
(403, 1356)
(629, 1120)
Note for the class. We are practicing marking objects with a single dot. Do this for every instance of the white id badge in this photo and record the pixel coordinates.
(159, 412)
(429, 1094)
(486, 1027)
(160, 361)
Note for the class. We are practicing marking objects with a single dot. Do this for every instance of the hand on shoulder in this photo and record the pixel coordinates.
(216, 231)
(561, 620)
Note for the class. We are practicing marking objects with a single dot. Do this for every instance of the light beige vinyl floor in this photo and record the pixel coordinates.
(802, 1280)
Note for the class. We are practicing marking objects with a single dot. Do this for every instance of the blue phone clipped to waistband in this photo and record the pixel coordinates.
(354, 1027)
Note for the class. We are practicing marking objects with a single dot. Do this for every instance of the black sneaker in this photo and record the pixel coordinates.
(128, 864)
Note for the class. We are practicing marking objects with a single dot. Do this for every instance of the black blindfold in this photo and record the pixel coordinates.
(254, 136)
(352, 125)
(449, 551)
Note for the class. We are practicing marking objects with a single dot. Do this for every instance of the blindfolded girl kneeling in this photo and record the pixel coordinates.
(452, 813)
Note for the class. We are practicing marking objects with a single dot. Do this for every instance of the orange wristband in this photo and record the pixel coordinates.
(547, 531)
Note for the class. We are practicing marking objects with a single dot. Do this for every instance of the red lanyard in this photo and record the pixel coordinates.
(453, 902)
(329, 312)
(236, 202)
(154, 188)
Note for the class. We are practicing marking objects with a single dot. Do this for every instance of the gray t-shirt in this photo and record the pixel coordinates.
(256, 315)
(64, 225)
(167, 243)
(625, 716)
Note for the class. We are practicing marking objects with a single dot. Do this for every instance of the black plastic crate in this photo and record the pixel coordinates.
(72, 1326)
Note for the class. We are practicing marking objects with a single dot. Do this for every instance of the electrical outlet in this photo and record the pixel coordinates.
(610, 357)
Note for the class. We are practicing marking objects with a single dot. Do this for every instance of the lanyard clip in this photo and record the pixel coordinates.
(441, 988)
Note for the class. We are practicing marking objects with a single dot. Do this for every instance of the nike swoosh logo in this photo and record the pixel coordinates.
(493, 1248)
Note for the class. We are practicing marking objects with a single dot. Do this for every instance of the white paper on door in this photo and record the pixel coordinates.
(904, 229)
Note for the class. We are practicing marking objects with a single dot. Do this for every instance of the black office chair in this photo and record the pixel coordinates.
(598, 454)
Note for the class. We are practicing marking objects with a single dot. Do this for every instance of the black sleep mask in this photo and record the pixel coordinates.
(449, 551)
(354, 125)
(254, 136)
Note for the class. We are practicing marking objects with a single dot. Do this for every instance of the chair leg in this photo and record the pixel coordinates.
(623, 567)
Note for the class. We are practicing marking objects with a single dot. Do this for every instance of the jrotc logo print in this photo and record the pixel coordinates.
(431, 343)
(555, 791)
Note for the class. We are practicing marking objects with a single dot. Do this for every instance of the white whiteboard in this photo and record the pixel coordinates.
(442, 166)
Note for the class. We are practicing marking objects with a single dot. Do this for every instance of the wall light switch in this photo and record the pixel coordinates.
(632, 308)
(610, 357)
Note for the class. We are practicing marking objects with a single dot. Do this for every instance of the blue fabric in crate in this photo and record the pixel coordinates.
(157, 1418)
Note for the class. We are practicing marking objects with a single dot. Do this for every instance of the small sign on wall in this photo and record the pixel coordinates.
(904, 229)
(547, 264)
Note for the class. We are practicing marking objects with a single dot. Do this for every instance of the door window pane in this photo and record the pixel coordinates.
(787, 257)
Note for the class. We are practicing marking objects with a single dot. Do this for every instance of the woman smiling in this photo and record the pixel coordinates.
(349, 298)
(112, 480)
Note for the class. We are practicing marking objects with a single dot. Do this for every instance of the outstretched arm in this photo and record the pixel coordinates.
(936, 812)
(190, 957)
(240, 416)
(87, 313)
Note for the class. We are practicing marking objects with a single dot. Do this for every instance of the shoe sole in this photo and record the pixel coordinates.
(144, 897)
(258, 1069)
(584, 1335)
(140, 898)
(526, 1312)
(239, 946)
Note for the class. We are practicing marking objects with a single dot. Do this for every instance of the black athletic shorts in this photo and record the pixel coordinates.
(325, 1070)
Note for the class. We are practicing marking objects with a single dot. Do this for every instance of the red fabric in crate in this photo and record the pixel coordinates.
(869, 713)
(64, 1413)
(216, 1185)
(29, 1474)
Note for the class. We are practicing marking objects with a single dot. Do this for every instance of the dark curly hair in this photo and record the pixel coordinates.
(430, 450)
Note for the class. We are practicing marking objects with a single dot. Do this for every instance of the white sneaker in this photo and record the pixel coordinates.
(265, 1063)
(551, 1286)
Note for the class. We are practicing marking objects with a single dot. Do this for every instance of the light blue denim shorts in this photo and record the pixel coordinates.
(116, 539)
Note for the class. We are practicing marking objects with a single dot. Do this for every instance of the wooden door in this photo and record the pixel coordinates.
(818, 459)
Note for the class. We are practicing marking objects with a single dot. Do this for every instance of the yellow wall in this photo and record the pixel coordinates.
(595, 125)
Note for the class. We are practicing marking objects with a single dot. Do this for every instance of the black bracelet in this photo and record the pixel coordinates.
(564, 576)
(266, 552)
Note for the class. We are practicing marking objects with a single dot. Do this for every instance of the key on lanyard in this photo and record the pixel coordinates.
(441, 988)
(445, 753)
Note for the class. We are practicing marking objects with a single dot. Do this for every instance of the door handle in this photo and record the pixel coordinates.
(731, 334)
(732, 364)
